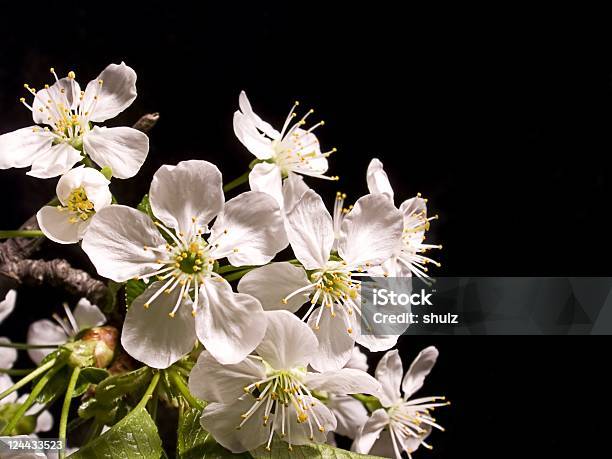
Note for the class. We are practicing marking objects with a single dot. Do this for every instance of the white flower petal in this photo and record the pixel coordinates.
(22, 147)
(370, 432)
(230, 325)
(190, 190)
(213, 382)
(418, 371)
(7, 304)
(310, 231)
(65, 92)
(293, 190)
(55, 223)
(416, 205)
(222, 420)
(375, 343)
(383, 446)
(288, 341)
(249, 230)
(88, 315)
(151, 336)
(8, 355)
(377, 179)
(251, 138)
(389, 372)
(247, 110)
(335, 343)
(44, 332)
(56, 161)
(272, 283)
(370, 232)
(44, 422)
(343, 382)
(266, 177)
(122, 149)
(5, 383)
(302, 433)
(115, 243)
(117, 92)
(350, 414)
(358, 360)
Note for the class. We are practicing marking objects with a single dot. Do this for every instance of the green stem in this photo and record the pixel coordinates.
(75, 423)
(4, 234)
(66, 408)
(149, 392)
(230, 268)
(236, 182)
(25, 346)
(237, 274)
(25, 406)
(22, 382)
(178, 383)
(13, 372)
(152, 405)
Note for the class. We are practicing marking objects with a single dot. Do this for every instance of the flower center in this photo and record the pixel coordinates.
(412, 418)
(278, 397)
(81, 207)
(185, 264)
(297, 147)
(191, 260)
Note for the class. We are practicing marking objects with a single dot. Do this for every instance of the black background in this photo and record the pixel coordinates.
(501, 117)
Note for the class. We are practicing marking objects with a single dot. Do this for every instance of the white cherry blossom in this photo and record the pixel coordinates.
(82, 192)
(272, 391)
(66, 115)
(367, 238)
(293, 150)
(408, 258)
(402, 424)
(188, 298)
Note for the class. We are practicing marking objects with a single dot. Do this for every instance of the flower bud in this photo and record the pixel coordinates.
(95, 348)
(105, 339)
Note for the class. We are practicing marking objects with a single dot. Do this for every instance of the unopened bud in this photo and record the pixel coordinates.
(105, 339)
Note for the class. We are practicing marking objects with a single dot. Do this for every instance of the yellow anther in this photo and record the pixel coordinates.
(71, 75)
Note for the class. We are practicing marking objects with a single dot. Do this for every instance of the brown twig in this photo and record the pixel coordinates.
(16, 267)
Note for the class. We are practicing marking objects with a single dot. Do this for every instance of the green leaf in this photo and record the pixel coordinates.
(134, 437)
(280, 450)
(195, 443)
(114, 387)
(133, 289)
(145, 206)
(94, 375)
(55, 388)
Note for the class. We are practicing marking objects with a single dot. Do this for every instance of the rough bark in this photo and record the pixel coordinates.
(17, 268)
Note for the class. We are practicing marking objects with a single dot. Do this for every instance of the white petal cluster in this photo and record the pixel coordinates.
(402, 424)
(64, 131)
(187, 299)
(275, 355)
